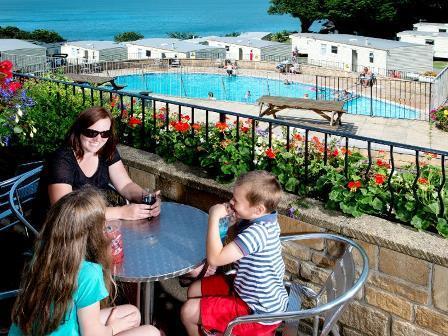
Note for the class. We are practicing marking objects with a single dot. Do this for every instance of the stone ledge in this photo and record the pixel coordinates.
(367, 228)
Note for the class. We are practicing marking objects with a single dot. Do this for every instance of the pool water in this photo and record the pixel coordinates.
(248, 89)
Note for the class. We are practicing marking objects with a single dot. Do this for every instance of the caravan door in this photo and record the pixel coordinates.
(354, 60)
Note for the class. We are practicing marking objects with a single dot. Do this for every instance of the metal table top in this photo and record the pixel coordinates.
(162, 247)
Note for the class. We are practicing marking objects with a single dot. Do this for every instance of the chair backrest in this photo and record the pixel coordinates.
(339, 288)
(5, 210)
(22, 194)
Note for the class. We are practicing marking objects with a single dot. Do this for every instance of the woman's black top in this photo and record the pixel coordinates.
(62, 167)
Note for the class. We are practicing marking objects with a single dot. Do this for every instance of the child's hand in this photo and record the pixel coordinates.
(218, 211)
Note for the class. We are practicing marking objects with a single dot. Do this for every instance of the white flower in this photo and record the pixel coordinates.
(33, 129)
(19, 112)
(17, 119)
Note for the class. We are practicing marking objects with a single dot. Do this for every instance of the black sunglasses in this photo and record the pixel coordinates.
(90, 133)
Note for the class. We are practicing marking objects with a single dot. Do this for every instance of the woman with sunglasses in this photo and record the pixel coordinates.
(90, 157)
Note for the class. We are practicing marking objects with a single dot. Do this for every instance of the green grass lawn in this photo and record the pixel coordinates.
(440, 65)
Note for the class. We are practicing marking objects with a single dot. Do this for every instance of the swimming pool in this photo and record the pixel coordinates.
(249, 89)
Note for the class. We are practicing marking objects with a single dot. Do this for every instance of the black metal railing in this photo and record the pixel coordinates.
(332, 165)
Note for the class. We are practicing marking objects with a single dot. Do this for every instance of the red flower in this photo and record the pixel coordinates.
(379, 178)
(133, 122)
(185, 117)
(196, 126)
(430, 155)
(354, 185)
(6, 66)
(160, 116)
(270, 153)
(381, 163)
(112, 104)
(348, 151)
(14, 86)
(222, 126)
(181, 126)
(315, 139)
(248, 121)
(298, 137)
(173, 123)
(423, 180)
(124, 114)
(244, 129)
(335, 152)
(163, 108)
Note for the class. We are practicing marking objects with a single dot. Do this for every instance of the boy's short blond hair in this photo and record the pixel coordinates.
(262, 188)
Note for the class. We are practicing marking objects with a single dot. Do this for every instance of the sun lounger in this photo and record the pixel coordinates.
(95, 80)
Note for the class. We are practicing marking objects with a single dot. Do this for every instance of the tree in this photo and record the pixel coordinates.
(127, 37)
(45, 36)
(382, 18)
(182, 35)
(282, 36)
(36, 35)
(232, 34)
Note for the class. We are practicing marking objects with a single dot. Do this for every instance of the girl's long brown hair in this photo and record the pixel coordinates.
(73, 231)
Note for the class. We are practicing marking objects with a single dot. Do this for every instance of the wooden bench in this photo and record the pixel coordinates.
(95, 80)
(329, 110)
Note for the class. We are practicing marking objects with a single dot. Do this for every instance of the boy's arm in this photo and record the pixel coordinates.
(217, 254)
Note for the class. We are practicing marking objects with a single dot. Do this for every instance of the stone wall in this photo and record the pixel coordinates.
(406, 293)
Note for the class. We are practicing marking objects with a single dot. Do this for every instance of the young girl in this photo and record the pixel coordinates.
(70, 274)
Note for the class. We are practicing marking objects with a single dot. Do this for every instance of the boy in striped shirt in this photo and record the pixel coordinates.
(256, 251)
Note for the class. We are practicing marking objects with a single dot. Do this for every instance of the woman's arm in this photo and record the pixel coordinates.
(132, 192)
(57, 191)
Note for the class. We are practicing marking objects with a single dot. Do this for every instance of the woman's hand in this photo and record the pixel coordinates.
(135, 211)
(122, 323)
(155, 208)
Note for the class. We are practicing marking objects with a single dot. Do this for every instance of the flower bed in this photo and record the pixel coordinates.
(14, 106)
(226, 152)
(440, 117)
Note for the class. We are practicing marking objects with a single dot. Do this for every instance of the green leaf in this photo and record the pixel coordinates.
(18, 129)
(419, 223)
(442, 227)
(291, 184)
(377, 204)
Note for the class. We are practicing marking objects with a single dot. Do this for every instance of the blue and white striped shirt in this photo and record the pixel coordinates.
(259, 273)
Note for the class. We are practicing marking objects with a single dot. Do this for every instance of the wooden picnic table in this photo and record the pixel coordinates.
(95, 80)
(327, 109)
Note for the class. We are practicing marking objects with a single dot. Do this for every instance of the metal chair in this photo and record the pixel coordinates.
(329, 302)
(21, 195)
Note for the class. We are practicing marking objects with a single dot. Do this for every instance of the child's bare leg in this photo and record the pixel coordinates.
(194, 291)
(123, 311)
(190, 315)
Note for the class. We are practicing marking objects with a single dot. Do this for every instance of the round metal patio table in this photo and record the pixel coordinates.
(163, 247)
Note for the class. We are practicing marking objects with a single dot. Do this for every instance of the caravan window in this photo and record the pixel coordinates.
(442, 30)
(227, 48)
(148, 53)
(429, 42)
(371, 58)
(334, 49)
(323, 49)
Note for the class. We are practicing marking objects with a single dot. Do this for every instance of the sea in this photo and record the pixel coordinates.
(103, 19)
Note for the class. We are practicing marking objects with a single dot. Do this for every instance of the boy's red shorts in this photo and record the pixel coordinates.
(220, 304)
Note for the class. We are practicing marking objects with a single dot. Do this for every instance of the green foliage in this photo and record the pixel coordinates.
(41, 35)
(127, 37)
(282, 36)
(440, 117)
(367, 17)
(182, 35)
(232, 34)
(54, 111)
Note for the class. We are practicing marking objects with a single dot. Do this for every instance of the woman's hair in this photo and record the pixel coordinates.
(262, 188)
(73, 232)
(86, 119)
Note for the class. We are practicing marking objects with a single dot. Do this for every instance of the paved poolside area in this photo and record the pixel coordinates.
(410, 132)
